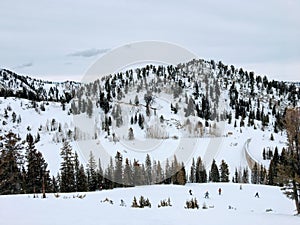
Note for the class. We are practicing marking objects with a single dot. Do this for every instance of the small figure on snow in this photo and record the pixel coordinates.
(241, 188)
(206, 194)
(256, 195)
(220, 191)
(190, 191)
(122, 203)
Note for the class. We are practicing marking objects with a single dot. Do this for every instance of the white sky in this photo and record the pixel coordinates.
(60, 39)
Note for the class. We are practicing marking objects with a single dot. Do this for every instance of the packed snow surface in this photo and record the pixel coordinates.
(233, 206)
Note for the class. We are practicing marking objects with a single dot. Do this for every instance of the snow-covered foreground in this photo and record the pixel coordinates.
(246, 209)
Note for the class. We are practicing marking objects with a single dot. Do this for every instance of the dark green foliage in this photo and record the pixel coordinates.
(142, 203)
(255, 174)
(165, 203)
(118, 172)
(214, 175)
(200, 173)
(148, 175)
(67, 183)
(224, 172)
(192, 204)
(92, 173)
(37, 173)
(10, 165)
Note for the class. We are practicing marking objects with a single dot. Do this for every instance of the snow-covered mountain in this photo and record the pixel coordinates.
(198, 108)
(202, 112)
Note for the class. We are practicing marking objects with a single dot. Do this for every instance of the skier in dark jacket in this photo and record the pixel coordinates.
(220, 191)
(190, 191)
(206, 195)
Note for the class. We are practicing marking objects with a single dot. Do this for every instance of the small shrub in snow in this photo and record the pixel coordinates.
(192, 204)
(165, 203)
(142, 203)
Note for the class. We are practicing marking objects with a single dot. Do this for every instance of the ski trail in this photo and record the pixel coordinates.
(212, 151)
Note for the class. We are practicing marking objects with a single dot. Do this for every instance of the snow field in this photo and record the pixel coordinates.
(24, 209)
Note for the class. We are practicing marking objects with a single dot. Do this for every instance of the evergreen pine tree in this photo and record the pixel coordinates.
(67, 183)
(92, 173)
(255, 174)
(214, 175)
(37, 175)
(10, 165)
(118, 172)
(148, 165)
(128, 176)
(193, 172)
(224, 172)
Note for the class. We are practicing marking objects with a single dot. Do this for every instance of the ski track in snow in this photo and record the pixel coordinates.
(246, 209)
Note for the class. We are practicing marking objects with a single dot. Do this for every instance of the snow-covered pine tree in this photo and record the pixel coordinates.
(118, 172)
(128, 176)
(91, 168)
(148, 175)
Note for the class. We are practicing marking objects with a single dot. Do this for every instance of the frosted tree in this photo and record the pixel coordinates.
(148, 175)
(92, 174)
(118, 172)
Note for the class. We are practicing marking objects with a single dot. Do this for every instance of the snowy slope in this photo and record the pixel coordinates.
(246, 209)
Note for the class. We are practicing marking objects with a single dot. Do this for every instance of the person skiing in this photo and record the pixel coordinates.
(256, 195)
(206, 194)
(220, 191)
(190, 191)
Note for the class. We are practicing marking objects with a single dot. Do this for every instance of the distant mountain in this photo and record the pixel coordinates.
(14, 85)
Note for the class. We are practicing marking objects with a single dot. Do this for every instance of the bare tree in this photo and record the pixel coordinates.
(289, 170)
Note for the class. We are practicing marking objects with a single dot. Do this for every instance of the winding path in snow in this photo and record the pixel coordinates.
(246, 154)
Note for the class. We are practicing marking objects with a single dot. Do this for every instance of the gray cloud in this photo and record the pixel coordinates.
(29, 64)
(89, 52)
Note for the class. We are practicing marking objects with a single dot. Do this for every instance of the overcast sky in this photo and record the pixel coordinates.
(59, 40)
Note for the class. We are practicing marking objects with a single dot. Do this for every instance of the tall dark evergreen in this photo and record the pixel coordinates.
(37, 174)
(224, 172)
(148, 164)
(118, 172)
(193, 172)
(128, 175)
(255, 174)
(92, 173)
(200, 173)
(67, 170)
(214, 175)
(10, 165)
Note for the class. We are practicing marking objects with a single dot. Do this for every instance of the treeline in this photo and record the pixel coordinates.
(29, 173)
